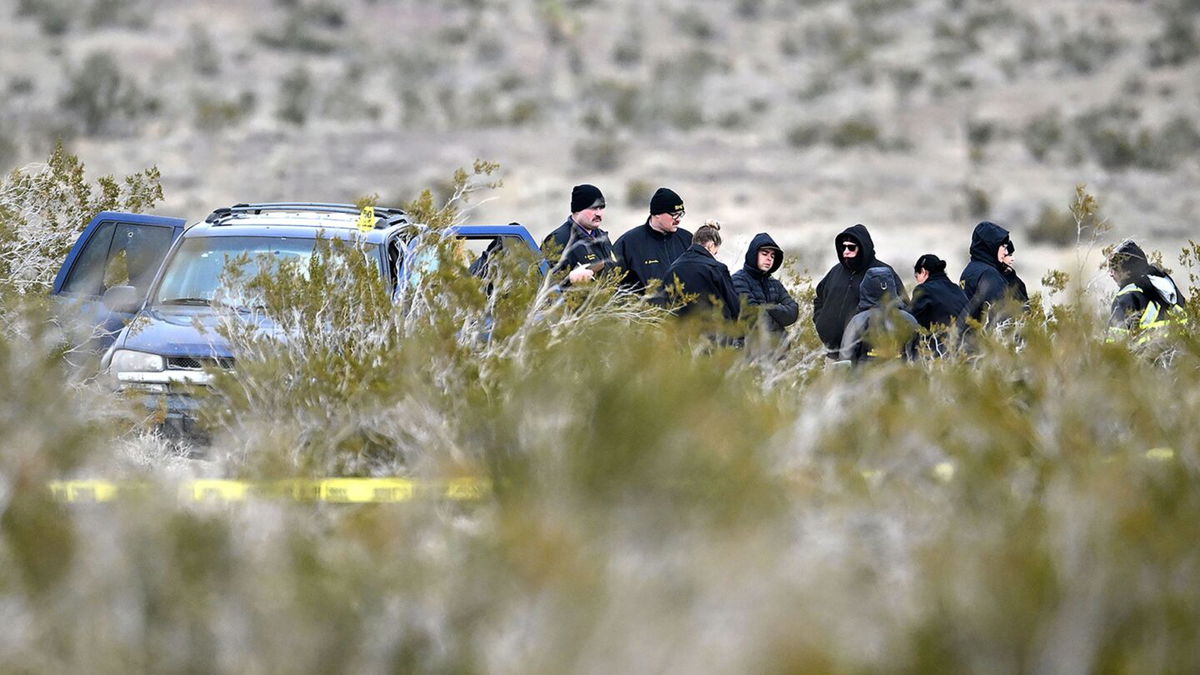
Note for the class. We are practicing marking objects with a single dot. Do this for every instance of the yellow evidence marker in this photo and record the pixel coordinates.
(366, 219)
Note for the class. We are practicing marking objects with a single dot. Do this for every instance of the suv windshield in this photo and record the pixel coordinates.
(194, 273)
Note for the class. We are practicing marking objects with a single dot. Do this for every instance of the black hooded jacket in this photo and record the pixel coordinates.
(575, 246)
(758, 288)
(703, 275)
(880, 313)
(938, 301)
(837, 294)
(645, 254)
(986, 280)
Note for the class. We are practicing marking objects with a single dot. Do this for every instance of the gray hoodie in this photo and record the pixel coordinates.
(880, 310)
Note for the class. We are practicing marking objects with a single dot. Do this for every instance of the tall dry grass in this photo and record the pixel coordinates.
(660, 504)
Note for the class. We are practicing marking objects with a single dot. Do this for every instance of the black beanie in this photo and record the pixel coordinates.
(665, 201)
(585, 197)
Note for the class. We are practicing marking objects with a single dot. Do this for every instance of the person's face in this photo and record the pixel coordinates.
(1004, 256)
(590, 218)
(849, 249)
(922, 276)
(766, 259)
(667, 222)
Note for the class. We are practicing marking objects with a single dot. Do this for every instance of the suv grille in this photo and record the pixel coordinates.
(189, 363)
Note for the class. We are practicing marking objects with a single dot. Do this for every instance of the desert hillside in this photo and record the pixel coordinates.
(914, 117)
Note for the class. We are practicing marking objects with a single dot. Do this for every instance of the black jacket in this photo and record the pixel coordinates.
(576, 246)
(1142, 284)
(703, 275)
(1127, 308)
(758, 288)
(837, 294)
(985, 280)
(881, 328)
(1132, 300)
(645, 254)
(938, 301)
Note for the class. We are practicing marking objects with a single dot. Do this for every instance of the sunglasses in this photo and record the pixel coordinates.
(849, 247)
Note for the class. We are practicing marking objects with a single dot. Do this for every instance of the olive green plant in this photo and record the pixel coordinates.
(362, 360)
(1022, 505)
(44, 208)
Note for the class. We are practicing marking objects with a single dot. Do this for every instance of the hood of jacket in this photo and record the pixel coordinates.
(866, 248)
(986, 241)
(1131, 266)
(760, 241)
(1129, 262)
(878, 284)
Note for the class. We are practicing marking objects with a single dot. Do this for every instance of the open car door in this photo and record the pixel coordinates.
(115, 249)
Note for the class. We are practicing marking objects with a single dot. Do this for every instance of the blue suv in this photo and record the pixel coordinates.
(166, 348)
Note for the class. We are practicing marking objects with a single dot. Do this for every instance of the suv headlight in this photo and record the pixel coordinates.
(128, 361)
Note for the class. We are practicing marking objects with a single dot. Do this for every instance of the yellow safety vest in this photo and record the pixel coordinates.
(1154, 320)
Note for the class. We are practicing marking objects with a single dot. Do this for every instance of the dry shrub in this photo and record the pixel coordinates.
(657, 499)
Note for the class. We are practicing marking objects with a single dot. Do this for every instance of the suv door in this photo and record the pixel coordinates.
(115, 249)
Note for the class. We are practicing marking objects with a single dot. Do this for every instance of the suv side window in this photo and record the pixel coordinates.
(87, 275)
(119, 254)
(135, 254)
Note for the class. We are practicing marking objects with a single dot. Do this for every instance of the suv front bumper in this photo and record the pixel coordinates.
(172, 398)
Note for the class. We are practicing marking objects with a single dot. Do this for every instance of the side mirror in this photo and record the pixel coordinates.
(122, 299)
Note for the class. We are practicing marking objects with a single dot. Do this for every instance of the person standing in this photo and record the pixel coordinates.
(1148, 300)
(836, 299)
(882, 328)
(989, 280)
(937, 302)
(579, 247)
(756, 287)
(703, 278)
(646, 252)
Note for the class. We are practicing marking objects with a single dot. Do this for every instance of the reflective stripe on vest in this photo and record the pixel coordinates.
(1153, 317)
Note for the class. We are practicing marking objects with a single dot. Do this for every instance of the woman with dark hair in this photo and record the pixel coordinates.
(1148, 300)
(698, 273)
(936, 300)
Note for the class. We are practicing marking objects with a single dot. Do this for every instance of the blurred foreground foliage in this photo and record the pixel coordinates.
(661, 504)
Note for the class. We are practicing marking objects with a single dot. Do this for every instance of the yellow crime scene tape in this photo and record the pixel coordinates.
(332, 490)
(364, 490)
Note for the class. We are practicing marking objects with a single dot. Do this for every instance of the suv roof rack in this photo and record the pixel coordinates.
(385, 216)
